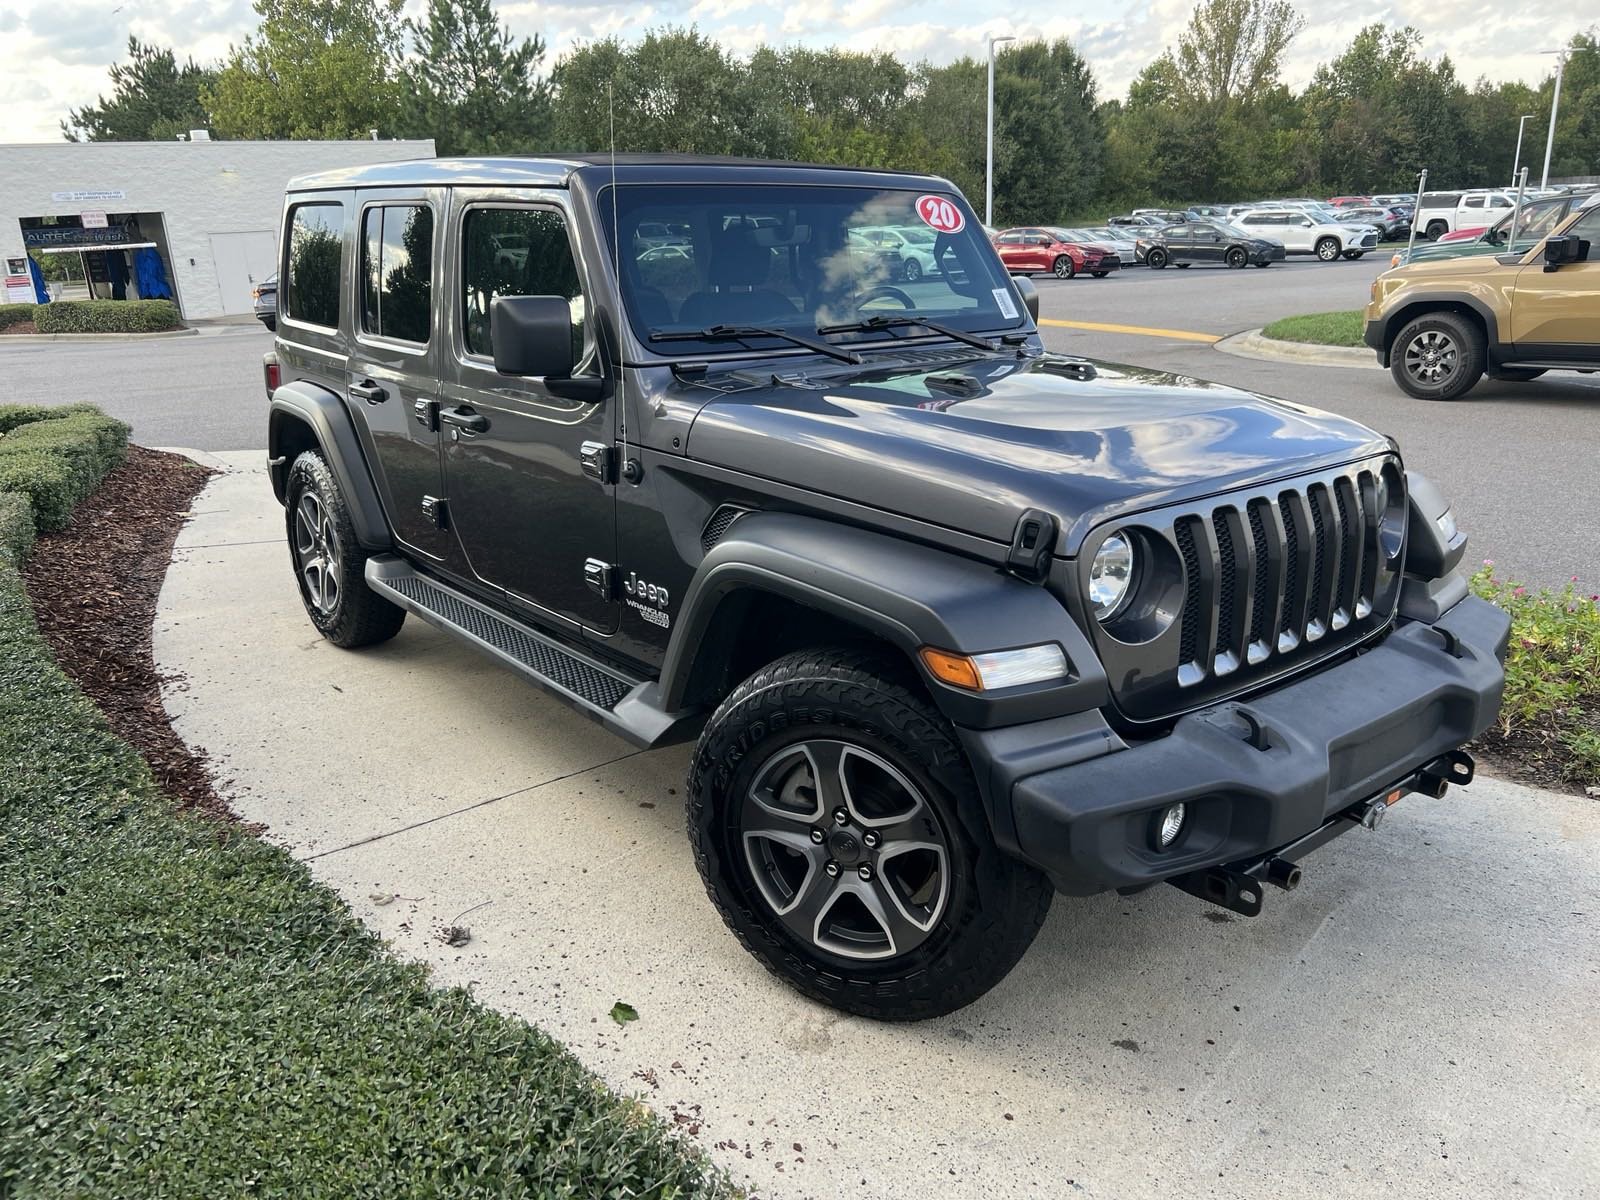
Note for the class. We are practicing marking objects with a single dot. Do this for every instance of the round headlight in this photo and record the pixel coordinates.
(1110, 574)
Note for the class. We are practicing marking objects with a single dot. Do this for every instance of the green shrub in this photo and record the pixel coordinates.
(13, 415)
(15, 314)
(187, 1013)
(107, 316)
(58, 461)
(16, 526)
(1552, 699)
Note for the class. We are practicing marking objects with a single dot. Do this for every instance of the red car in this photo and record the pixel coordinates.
(1032, 250)
(1350, 201)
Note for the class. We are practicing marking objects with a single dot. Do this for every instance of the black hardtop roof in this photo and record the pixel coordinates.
(557, 171)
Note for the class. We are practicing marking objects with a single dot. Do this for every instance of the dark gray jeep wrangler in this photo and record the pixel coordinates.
(959, 622)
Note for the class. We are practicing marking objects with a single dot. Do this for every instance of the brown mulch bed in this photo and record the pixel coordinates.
(21, 327)
(94, 587)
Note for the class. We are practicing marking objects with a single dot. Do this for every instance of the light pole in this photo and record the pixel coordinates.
(1517, 161)
(988, 171)
(1555, 102)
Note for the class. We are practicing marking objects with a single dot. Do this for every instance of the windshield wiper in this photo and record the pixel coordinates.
(717, 333)
(886, 321)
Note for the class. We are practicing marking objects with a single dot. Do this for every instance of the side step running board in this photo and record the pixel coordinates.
(625, 705)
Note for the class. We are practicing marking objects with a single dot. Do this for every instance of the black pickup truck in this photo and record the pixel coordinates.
(959, 622)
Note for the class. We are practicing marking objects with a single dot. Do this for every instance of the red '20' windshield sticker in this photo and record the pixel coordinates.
(940, 213)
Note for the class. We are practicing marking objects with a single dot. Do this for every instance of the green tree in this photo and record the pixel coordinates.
(471, 86)
(1232, 50)
(313, 69)
(1577, 144)
(153, 99)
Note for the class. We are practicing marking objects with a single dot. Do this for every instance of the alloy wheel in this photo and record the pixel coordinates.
(845, 850)
(1432, 357)
(316, 547)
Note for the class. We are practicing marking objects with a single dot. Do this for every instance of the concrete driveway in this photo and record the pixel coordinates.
(1418, 1019)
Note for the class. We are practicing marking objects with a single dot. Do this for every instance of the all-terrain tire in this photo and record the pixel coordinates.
(993, 904)
(1438, 356)
(335, 594)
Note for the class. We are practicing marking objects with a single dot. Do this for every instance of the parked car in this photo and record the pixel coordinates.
(1392, 224)
(264, 301)
(1137, 220)
(957, 622)
(1352, 201)
(1206, 242)
(1118, 241)
(912, 249)
(1441, 212)
(1533, 221)
(1303, 234)
(1441, 326)
(1036, 250)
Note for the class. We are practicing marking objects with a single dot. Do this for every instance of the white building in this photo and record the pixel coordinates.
(210, 209)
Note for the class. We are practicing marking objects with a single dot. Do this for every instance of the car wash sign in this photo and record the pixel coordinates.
(73, 237)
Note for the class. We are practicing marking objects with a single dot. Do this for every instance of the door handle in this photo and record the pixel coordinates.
(371, 392)
(465, 418)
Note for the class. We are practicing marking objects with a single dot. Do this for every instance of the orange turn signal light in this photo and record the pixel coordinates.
(955, 669)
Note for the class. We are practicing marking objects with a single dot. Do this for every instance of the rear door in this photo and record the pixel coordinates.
(1556, 314)
(1180, 246)
(392, 378)
(1012, 252)
(524, 508)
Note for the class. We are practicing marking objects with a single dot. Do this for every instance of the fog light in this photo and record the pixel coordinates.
(1171, 825)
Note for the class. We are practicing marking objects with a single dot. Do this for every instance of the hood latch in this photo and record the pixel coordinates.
(1031, 546)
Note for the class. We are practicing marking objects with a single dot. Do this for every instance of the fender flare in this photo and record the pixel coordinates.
(325, 415)
(1406, 310)
(908, 594)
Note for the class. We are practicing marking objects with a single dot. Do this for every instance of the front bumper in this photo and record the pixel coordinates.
(1269, 254)
(1372, 333)
(1261, 773)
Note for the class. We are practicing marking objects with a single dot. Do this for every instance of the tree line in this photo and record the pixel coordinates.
(1209, 119)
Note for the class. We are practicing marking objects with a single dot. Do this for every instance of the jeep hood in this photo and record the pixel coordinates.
(973, 444)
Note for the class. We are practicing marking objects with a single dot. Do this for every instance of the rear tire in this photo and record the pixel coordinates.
(1328, 249)
(1435, 230)
(329, 564)
(1439, 356)
(1156, 259)
(912, 925)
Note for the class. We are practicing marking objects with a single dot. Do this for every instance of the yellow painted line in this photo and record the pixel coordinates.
(1182, 335)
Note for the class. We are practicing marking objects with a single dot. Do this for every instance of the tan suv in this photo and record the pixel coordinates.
(1440, 326)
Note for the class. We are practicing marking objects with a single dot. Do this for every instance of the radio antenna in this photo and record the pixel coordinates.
(616, 250)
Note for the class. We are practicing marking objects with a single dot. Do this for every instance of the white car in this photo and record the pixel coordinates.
(912, 246)
(1114, 239)
(1445, 212)
(1302, 233)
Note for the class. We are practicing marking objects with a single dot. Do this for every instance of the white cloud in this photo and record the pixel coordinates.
(59, 51)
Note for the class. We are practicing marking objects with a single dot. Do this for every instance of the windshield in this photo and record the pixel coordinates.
(800, 259)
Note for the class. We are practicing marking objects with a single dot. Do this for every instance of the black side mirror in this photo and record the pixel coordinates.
(532, 335)
(1030, 295)
(1562, 249)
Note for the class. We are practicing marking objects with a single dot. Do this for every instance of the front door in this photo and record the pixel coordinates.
(1557, 313)
(392, 377)
(525, 511)
(242, 260)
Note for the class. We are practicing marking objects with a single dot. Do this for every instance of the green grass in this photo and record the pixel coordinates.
(185, 1012)
(1322, 329)
(1551, 713)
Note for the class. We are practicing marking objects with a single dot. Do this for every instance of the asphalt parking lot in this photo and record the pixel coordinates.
(1516, 459)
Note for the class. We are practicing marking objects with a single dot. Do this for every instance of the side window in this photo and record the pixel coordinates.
(1587, 227)
(311, 278)
(1473, 202)
(516, 252)
(397, 271)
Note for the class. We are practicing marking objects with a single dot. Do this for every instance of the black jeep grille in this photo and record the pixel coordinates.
(1270, 581)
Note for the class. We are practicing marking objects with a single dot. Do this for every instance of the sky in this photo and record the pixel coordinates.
(57, 51)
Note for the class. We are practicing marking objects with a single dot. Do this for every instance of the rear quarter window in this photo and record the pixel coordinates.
(312, 265)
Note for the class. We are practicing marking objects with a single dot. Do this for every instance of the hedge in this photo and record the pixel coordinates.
(188, 1013)
(107, 316)
(16, 314)
(16, 526)
(56, 461)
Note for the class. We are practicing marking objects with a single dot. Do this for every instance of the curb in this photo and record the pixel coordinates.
(1251, 344)
(95, 337)
(204, 457)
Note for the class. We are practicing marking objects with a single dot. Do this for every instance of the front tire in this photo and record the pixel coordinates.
(1237, 258)
(329, 564)
(911, 270)
(1328, 249)
(1063, 267)
(838, 830)
(1439, 356)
